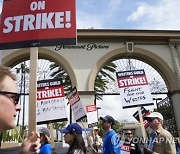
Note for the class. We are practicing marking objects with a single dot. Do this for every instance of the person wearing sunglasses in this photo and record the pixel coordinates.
(161, 141)
(128, 135)
(9, 98)
(133, 147)
(111, 141)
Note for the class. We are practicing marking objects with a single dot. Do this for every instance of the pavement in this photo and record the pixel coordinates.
(58, 149)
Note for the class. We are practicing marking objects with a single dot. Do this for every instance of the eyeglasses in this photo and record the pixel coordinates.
(128, 133)
(14, 97)
(150, 119)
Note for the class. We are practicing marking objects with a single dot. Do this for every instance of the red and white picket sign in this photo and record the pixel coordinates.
(37, 23)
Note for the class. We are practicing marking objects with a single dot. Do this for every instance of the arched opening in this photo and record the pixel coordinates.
(48, 63)
(22, 55)
(158, 77)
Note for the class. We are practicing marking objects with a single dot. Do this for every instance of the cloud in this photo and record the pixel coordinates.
(85, 20)
(96, 14)
(111, 105)
(139, 13)
(113, 6)
(163, 15)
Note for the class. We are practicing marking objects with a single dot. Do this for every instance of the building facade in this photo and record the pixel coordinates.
(95, 48)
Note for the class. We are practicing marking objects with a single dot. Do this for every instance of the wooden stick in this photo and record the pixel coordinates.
(141, 123)
(33, 88)
(52, 135)
(90, 148)
(0, 57)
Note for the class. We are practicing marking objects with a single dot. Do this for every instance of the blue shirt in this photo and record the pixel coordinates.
(111, 143)
(45, 149)
(151, 143)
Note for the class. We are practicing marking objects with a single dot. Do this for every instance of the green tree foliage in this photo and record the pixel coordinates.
(58, 126)
(166, 111)
(59, 72)
(13, 135)
(22, 70)
(116, 128)
(103, 77)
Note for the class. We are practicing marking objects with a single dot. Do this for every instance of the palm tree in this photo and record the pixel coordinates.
(57, 126)
(101, 80)
(59, 72)
(104, 77)
(23, 69)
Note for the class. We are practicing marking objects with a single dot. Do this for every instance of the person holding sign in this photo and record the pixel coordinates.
(9, 107)
(95, 140)
(111, 142)
(73, 137)
(161, 141)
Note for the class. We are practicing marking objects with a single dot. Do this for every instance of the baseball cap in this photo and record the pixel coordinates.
(108, 118)
(154, 115)
(45, 131)
(95, 128)
(73, 127)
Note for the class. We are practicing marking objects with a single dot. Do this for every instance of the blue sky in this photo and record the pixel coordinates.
(129, 14)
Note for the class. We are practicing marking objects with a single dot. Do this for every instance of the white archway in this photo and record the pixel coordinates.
(24, 54)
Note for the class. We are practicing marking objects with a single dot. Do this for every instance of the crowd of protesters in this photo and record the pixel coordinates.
(160, 140)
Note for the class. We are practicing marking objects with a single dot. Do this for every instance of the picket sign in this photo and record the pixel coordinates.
(29, 26)
(134, 88)
(76, 105)
(37, 24)
(92, 119)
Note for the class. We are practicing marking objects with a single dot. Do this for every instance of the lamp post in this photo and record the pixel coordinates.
(157, 99)
(98, 108)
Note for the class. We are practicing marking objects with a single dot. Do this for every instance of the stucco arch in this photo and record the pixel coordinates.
(24, 54)
(141, 54)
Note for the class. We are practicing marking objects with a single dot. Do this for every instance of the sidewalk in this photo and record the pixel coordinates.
(58, 149)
